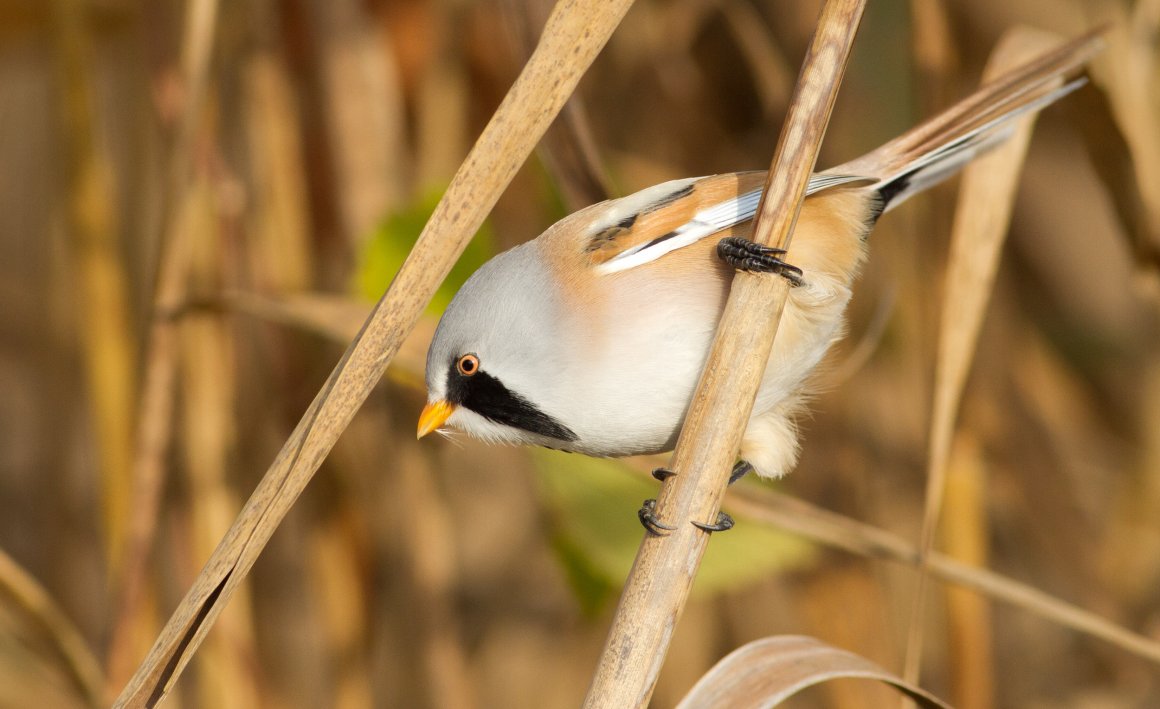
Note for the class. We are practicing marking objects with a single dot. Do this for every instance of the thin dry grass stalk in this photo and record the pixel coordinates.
(841, 532)
(658, 585)
(574, 34)
(766, 672)
(982, 215)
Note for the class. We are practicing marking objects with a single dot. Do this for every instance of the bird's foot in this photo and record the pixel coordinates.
(724, 523)
(746, 255)
(662, 474)
(648, 510)
(648, 517)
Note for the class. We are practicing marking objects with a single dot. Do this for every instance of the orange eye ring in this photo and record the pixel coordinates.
(467, 365)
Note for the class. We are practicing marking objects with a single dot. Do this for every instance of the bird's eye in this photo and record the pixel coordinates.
(467, 365)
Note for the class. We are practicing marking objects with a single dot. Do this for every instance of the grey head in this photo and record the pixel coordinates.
(492, 362)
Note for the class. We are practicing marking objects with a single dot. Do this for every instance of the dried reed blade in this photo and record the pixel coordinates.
(766, 672)
(658, 585)
(1118, 166)
(981, 218)
(1127, 73)
(575, 33)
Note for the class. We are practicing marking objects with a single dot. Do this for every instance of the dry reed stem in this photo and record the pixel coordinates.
(102, 306)
(982, 216)
(766, 672)
(154, 426)
(37, 604)
(970, 631)
(575, 33)
(658, 585)
(840, 532)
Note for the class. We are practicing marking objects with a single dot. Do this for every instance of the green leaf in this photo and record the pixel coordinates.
(593, 504)
(391, 241)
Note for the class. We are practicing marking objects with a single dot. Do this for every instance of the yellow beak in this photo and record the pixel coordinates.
(434, 415)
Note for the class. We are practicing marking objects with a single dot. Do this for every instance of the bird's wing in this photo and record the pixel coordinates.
(642, 227)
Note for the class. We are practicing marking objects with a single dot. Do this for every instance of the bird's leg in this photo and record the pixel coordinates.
(746, 255)
(648, 517)
(662, 474)
(740, 470)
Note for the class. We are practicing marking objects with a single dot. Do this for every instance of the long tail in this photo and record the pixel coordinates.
(933, 151)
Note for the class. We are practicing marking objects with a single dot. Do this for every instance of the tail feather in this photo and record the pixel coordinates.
(936, 149)
(948, 158)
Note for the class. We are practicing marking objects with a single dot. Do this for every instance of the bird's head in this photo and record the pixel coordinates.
(495, 359)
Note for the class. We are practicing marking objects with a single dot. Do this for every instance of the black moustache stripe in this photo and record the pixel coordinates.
(488, 397)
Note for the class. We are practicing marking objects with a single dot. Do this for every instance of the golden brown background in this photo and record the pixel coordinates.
(450, 574)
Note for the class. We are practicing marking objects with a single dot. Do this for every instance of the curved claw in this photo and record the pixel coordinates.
(740, 470)
(723, 524)
(662, 474)
(648, 518)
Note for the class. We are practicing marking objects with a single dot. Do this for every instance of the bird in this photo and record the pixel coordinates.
(591, 337)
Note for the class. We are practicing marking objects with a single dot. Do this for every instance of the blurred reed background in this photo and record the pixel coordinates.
(198, 205)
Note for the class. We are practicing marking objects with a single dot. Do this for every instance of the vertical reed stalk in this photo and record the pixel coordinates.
(659, 583)
(155, 412)
(102, 308)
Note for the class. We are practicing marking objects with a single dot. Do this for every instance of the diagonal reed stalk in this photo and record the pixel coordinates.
(574, 34)
(665, 567)
(839, 532)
